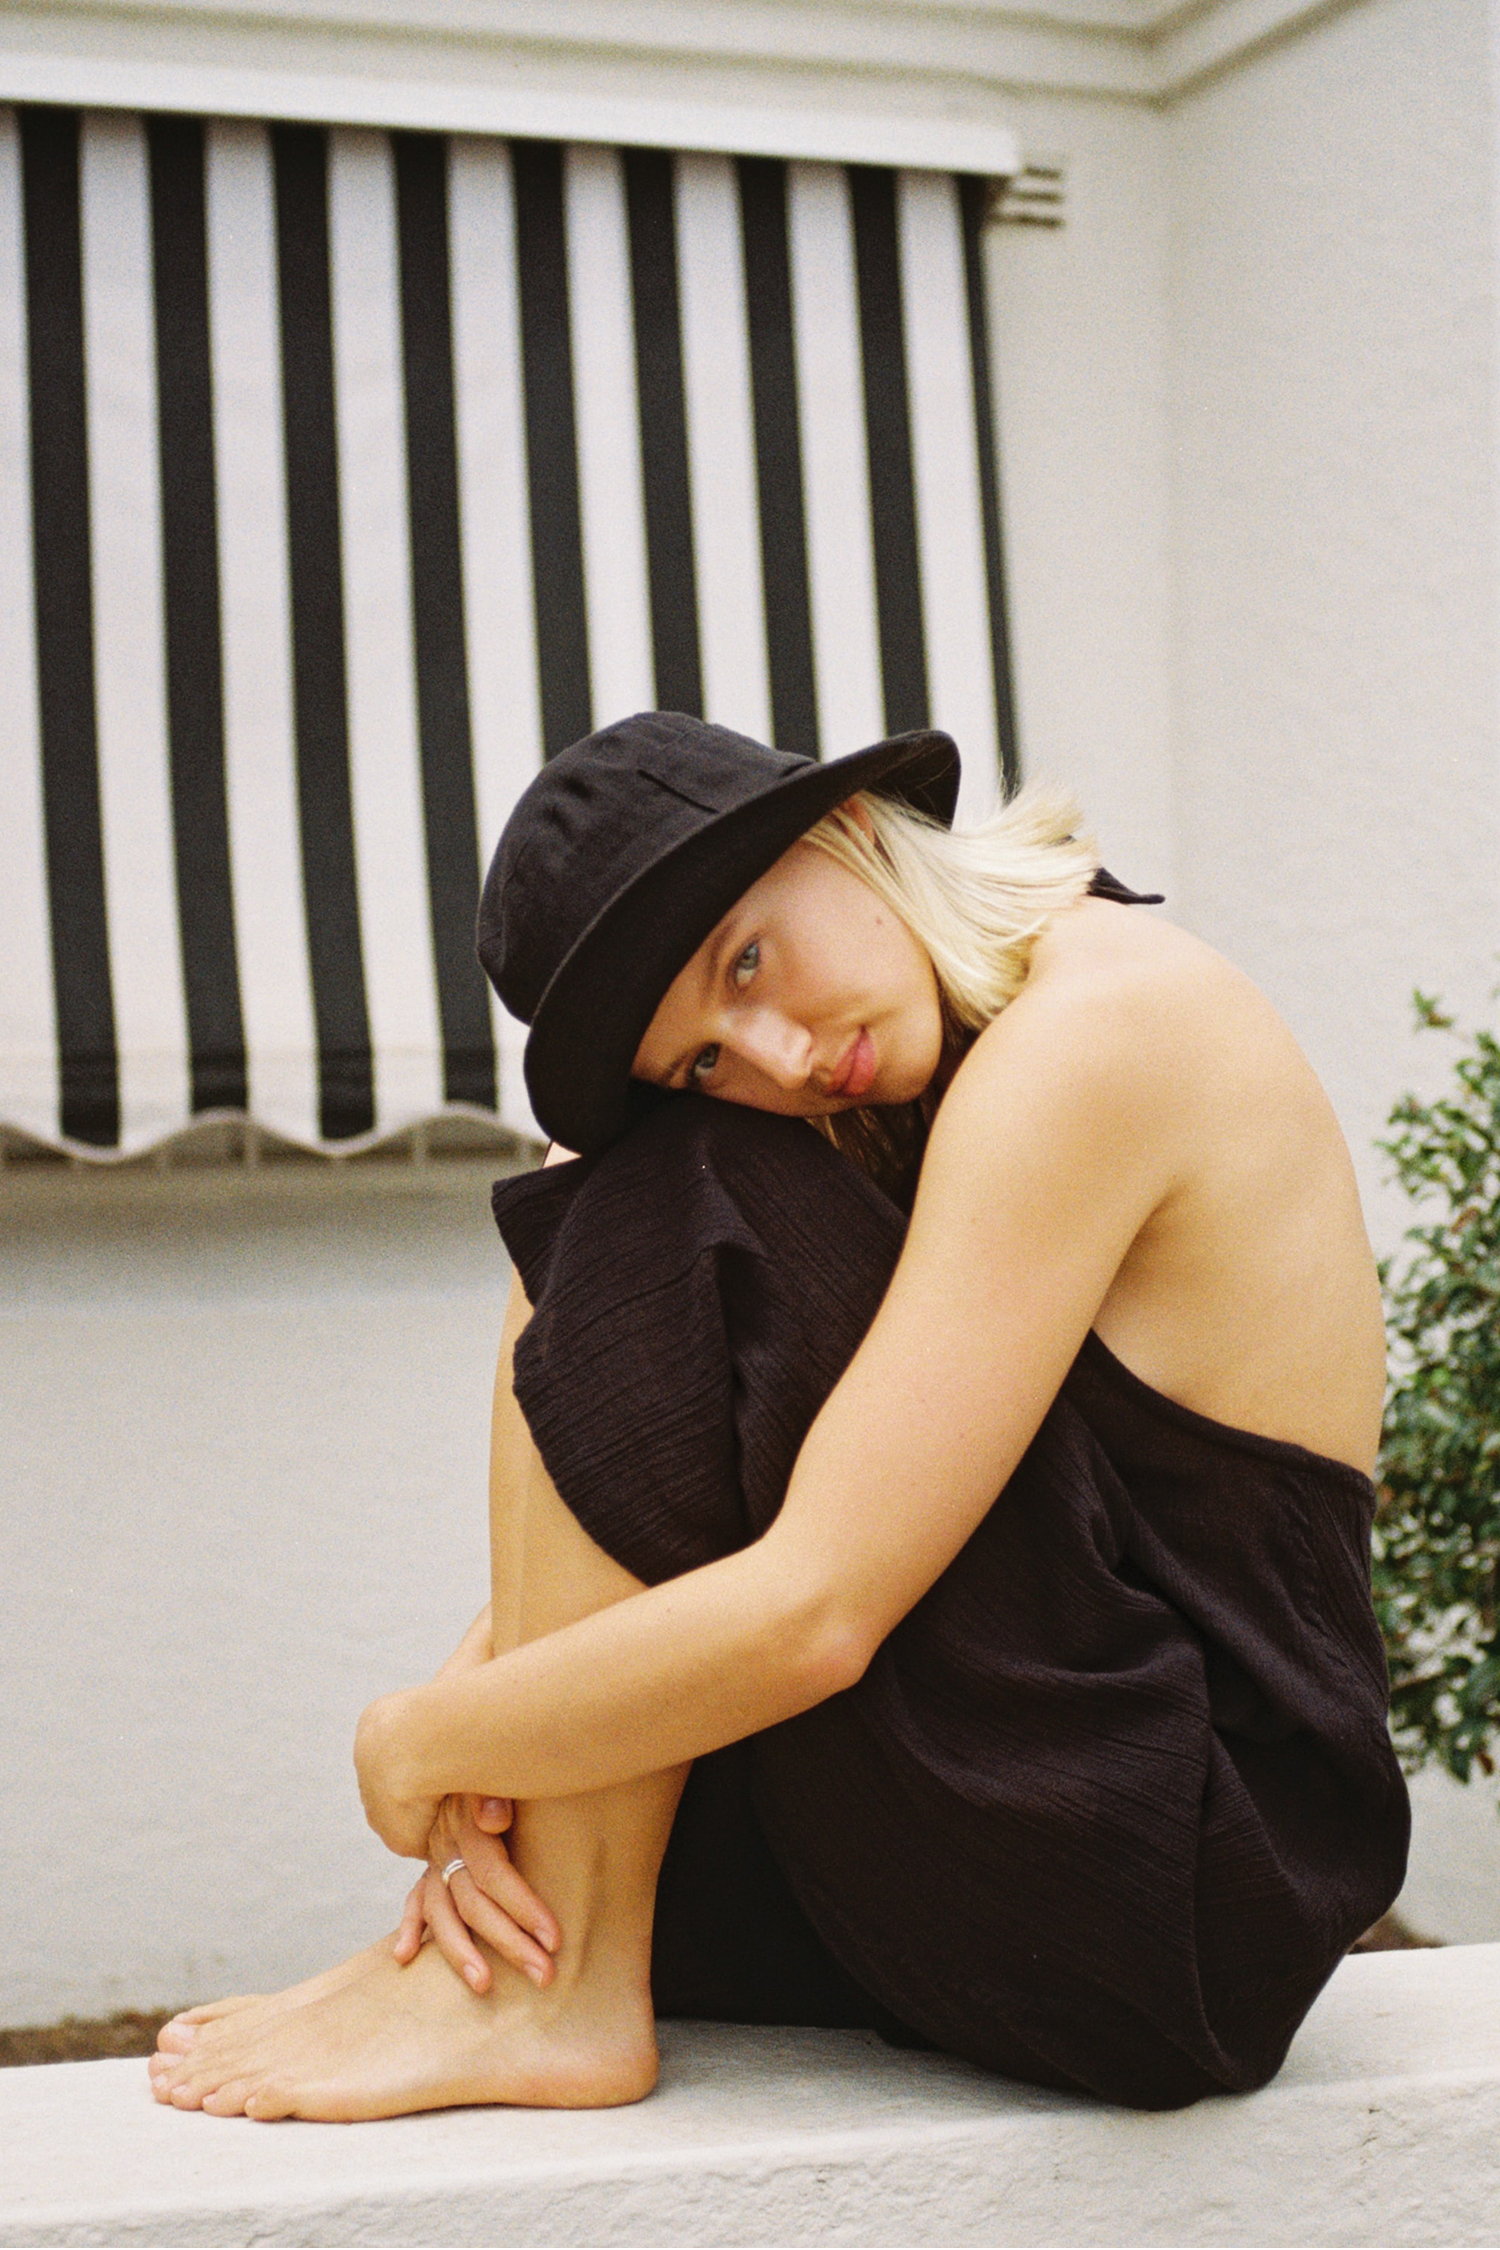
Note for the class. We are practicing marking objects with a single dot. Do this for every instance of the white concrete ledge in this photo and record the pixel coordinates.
(1384, 2127)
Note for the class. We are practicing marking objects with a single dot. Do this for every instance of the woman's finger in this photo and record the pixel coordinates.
(451, 1935)
(509, 1890)
(407, 1943)
(504, 1935)
(490, 1865)
(493, 1814)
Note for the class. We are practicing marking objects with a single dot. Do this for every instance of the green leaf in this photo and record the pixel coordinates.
(1435, 1553)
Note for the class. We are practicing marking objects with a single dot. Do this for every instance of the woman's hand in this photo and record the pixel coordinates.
(404, 1824)
(485, 1897)
(401, 1819)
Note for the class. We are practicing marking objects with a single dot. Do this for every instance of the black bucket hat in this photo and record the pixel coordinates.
(618, 861)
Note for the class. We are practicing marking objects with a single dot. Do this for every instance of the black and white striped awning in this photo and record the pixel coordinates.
(344, 476)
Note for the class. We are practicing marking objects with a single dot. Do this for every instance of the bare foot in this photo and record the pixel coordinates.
(177, 2036)
(388, 2039)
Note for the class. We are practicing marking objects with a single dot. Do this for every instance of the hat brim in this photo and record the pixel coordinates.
(594, 1013)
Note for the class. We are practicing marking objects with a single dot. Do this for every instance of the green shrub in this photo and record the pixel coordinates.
(1437, 1534)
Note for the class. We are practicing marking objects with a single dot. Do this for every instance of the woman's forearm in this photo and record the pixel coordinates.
(476, 1647)
(661, 1677)
(995, 1292)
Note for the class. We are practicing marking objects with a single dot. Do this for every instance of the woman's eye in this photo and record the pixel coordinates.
(748, 962)
(703, 1065)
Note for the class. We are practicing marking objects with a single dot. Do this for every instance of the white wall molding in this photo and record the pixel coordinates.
(901, 81)
(1190, 45)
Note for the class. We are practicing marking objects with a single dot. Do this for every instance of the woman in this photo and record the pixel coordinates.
(1088, 1782)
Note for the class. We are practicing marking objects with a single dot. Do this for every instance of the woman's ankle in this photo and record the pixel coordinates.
(597, 1873)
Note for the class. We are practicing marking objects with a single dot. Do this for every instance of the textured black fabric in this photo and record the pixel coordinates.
(1114, 1799)
(1109, 886)
(731, 1944)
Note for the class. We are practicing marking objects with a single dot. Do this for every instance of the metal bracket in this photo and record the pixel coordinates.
(1033, 197)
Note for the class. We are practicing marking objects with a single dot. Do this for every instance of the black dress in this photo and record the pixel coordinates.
(1113, 1800)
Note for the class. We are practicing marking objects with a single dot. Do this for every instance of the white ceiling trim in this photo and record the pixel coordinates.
(1193, 44)
(911, 82)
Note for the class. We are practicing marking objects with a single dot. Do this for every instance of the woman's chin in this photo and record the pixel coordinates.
(890, 1095)
(899, 1082)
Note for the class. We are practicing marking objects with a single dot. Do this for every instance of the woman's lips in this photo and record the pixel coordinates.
(856, 1071)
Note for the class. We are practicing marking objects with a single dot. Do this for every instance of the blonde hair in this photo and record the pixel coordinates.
(977, 900)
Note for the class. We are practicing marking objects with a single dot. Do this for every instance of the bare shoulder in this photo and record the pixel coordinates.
(1117, 965)
(1055, 1144)
(1165, 1086)
(1125, 1020)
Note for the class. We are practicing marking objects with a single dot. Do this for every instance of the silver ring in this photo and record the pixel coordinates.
(451, 1870)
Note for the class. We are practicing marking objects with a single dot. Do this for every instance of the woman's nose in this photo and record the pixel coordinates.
(780, 1049)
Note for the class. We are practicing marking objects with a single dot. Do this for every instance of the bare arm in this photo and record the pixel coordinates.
(476, 1647)
(1046, 1160)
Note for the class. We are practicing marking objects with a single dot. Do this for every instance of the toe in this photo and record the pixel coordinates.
(211, 2011)
(271, 2100)
(228, 2100)
(194, 2077)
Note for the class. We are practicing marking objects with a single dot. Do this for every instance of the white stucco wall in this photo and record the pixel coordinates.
(1248, 413)
(1078, 326)
(243, 1438)
(1331, 415)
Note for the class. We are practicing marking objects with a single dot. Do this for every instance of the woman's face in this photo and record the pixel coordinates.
(810, 997)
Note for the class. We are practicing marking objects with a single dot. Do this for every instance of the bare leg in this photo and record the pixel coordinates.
(375, 2038)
